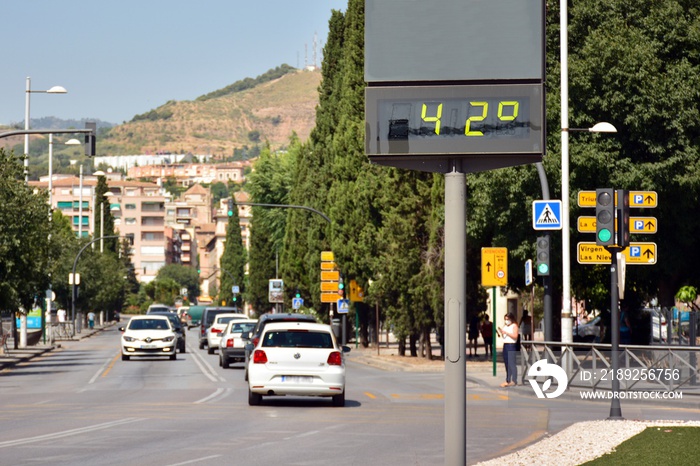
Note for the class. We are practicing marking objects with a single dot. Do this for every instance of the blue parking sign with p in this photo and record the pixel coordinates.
(635, 251)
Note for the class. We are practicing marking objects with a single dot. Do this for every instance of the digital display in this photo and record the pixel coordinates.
(459, 120)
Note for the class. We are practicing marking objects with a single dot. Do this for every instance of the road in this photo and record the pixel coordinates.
(81, 404)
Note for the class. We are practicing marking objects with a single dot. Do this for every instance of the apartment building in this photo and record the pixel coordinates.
(139, 214)
(189, 174)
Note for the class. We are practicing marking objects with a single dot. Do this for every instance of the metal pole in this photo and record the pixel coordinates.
(75, 265)
(547, 279)
(28, 92)
(566, 324)
(455, 317)
(80, 205)
(615, 409)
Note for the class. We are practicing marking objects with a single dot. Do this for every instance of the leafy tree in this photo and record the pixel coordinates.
(184, 276)
(24, 231)
(102, 212)
(232, 261)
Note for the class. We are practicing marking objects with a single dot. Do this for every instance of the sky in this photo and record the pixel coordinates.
(118, 59)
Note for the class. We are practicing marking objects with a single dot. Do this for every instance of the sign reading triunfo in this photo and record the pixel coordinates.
(638, 199)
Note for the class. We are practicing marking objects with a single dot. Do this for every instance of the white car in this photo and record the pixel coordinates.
(232, 345)
(299, 359)
(148, 335)
(217, 328)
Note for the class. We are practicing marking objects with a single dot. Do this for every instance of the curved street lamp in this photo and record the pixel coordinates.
(52, 90)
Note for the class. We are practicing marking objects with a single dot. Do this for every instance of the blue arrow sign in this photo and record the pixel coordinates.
(546, 215)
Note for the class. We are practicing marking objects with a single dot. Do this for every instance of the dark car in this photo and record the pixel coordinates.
(208, 318)
(177, 328)
(253, 337)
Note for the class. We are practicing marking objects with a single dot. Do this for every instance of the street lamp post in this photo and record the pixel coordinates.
(566, 322)
(53, 90)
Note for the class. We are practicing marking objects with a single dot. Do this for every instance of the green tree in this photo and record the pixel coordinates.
(184, 276)
(103, 212)
(233, 261)
(24, 231)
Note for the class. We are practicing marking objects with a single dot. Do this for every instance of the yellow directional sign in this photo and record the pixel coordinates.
(638, 199)
(329, 286)
(327, 256)
(328, 266)
(638, 225)
(635, 254)
(643, 225)
(330, 297)
(494, 266)
(330, 275)
(643, 199)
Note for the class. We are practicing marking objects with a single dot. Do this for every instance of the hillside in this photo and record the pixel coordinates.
(217, 124)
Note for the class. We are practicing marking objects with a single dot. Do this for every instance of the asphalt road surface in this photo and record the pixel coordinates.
(81, 404)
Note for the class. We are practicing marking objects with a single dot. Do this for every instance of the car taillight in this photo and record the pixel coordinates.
(216, 330)
(229, 343)
(255, 341)
(335, 359)
(259, 357)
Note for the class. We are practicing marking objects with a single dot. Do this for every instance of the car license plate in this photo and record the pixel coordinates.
(297, 379)
(147, 346)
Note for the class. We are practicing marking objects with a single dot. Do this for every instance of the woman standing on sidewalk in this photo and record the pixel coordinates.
(509, 333)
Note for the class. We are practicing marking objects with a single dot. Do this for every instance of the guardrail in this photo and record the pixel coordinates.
(589, 365)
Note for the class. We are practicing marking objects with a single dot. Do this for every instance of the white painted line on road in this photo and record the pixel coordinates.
(99, 371)
(196, 460)
(208, 371)
(68, 433)
(305, 434)
(218, 394)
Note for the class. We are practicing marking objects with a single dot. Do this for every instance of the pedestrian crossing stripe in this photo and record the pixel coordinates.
(546, 215)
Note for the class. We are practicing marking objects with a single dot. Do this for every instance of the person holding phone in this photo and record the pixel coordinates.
(509, 333)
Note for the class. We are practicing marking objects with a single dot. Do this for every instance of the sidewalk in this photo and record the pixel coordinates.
(21, 355)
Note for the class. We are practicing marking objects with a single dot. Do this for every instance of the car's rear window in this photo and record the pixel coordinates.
(148, 324)
(297, 339)
(225, 319)
(242, 327)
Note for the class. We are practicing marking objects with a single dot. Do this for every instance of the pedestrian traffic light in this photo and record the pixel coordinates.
(605, 217)
(230, 207)
(622, 210)
(543, 256)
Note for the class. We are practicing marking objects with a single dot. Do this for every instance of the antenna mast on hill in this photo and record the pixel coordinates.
(315, 41)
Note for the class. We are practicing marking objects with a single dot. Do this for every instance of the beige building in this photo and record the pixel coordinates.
(188, 174)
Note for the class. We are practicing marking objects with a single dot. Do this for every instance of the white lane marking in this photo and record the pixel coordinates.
(196, 460)
(305, 434)
(208, 371)
(100, 371)
(220, 393)
(68, 433)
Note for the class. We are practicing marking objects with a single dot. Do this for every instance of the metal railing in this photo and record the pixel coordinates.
(589, 365)
(61, 331)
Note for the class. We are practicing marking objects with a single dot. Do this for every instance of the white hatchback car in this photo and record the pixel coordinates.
(232, 345)
(217, 328)
(148, 335)
(297, 358)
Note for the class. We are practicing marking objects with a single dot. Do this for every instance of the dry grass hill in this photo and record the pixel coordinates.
(270, 111)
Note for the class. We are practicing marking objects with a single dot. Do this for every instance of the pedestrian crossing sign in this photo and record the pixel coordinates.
(546, 215)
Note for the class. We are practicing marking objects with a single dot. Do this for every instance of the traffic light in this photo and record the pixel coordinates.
(605, 217)
(341, 286)
(90, 139)
(543, 256)
(622, 210)
(231, 206)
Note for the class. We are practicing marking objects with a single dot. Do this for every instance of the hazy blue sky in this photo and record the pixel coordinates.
(121, 58)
